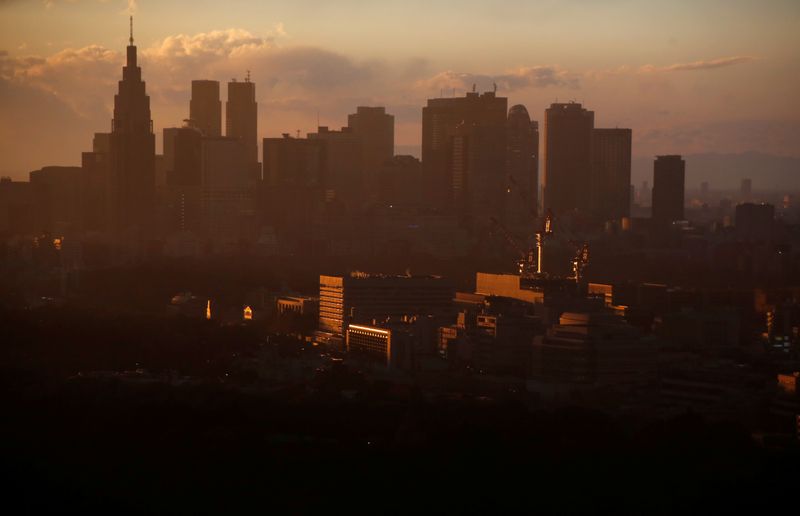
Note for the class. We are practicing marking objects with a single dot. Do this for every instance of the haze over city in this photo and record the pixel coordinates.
(450, 257)
(672, 71)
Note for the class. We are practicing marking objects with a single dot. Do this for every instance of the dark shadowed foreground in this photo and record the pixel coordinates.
(212, 438)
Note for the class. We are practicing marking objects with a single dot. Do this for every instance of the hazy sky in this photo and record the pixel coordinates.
(687, 76)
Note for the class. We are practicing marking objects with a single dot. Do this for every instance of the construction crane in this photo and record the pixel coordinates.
(580, 260)
(525, 262)
(530, 263)
(545, 231)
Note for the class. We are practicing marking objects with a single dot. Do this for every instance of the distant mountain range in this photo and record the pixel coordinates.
(726, 171)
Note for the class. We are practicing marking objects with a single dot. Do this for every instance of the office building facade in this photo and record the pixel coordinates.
(611, 173)
(669, 177)
(360, 298)
(205, 107)
(566, 183)
(241, 117)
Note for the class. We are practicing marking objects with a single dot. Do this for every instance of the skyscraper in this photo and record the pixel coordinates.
(523, 167)
(205, 108)
(96, 169)
(611, 173)
(746, 189)
(464, 145)
(241, 115)
(228, 190)
(343, 168)
(669, 174)
(567, 182)
(292, 191)
(376, 129)
(182, 151)
(132, 152)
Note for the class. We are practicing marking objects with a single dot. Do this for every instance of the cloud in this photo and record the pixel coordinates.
(75, 76)
(520, 78)
(208, 45)
(71, 92)
(708, 64)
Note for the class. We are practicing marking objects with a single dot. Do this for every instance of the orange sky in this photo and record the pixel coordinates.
(711, 76)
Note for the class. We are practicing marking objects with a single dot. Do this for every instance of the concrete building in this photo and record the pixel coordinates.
(297, 305)
(567, 184)
(611, 173)
(505, 285)
(370, 342)
(205, 107)
(360, 298)
(593, 349)
(669, 176)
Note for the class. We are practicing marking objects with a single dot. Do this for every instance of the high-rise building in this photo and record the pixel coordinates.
(182, 164)
(746, 189)
(592, 348)
(567, 184)
(400, 181)
(63, 189)
(523, 168)
(755, 221)
(669, 174)
(132, 153)
(464, 145)
(293, 161)
(645, 194)
(376, 129)
(205, 107)
(21, 207)
(96, 171)
(292, 191)
(228, 190)
(343, 167)
(241, 117)
(611, 173)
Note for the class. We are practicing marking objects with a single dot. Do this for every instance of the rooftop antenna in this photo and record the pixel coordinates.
(131, 40)
(247, 77)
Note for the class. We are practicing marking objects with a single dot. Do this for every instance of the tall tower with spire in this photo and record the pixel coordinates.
(133, 146)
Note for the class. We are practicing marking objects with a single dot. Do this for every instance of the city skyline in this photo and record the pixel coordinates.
(661, 90)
